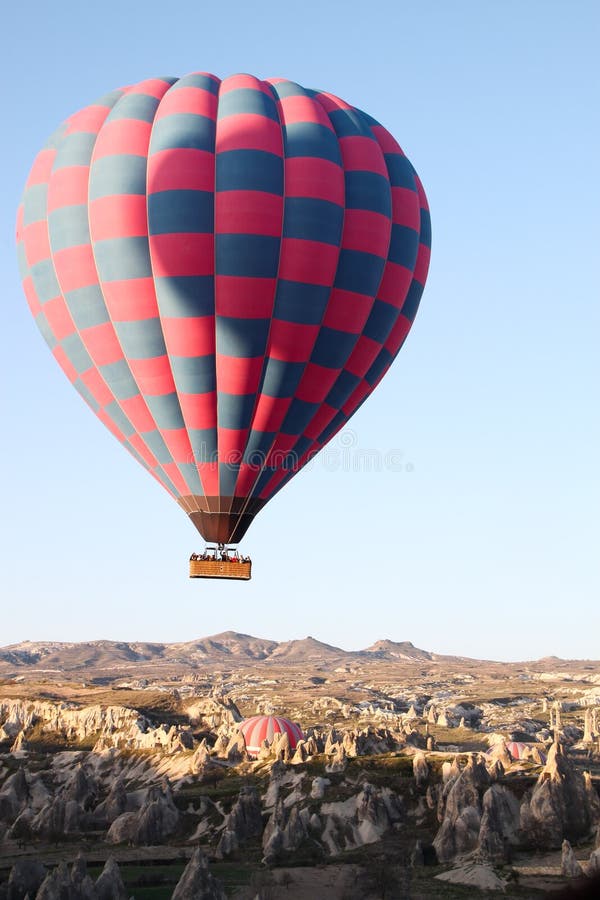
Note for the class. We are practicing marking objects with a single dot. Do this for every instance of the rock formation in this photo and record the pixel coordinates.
(115, 804)
(559, 806)
(14, 796)
(25, 878)
(461, 811)
(58, 885)
(213, 712)
(109, 885)
(499, 828)
(420, 769)
(594, 863)
(318, 787)
(285, 831)
(569, 865)
(73, 723)
(499, 752)
(362, 819)
(235, 751)
(155, 821)
(243, 822)
(337, 759)
(197, 883)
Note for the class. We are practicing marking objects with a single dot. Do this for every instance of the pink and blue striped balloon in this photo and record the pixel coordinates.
(224, 270)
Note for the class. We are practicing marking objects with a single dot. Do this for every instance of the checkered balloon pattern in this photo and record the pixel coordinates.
(224, 270)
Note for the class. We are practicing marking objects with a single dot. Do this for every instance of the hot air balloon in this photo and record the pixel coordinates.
(521, 750)
(224, 270)
(264, 728)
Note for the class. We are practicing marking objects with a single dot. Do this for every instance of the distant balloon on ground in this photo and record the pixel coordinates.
(264, 728)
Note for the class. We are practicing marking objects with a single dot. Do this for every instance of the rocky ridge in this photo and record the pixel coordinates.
(229, 646)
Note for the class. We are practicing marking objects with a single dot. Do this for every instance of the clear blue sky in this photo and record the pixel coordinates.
(489, 546)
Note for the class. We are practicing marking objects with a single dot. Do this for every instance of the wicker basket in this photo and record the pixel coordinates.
(217, 568)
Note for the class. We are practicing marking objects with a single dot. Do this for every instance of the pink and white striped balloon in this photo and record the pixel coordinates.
(260, 728)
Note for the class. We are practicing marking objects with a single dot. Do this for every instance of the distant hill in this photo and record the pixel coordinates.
(309, 648)
(58, 655)
(397, 650)
(226, 644)
(108, 660)
(230, 648)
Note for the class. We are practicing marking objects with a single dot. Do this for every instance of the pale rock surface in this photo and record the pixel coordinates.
(201, 757)
(495, 770)
(20, 744)
(337, 759)
(588, 728)
(593, 800)
(534, 754)
(197, 883)
(204, 766)
(83, 886)
(332, 740)
(14, 796)
(74, 723)
(122, 829)
(82, 788)
(213, 712)
(109, 885)
(315, 823)
(280, 746)
(318, 787)
(559, 806)
(25, 877)
(243, 822)
(569, 864)
(420, 769)
(498, 752)
(455, 768)
(362, 819)
(300, 754)
(221, 744)
(57, 817)
(284, 831)
(155, 821)
(311, 746)
(60, 884)
(236, 748)
(417, 857)
(593, 869)
(265, 751)
(69, 811)
(349, 743)
(115, 804)
(461, 816)
(432, 796)
(446, 771)
(474, 875)
(499, 824)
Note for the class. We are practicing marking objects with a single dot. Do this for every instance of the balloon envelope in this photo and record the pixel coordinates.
(264, 728)
(224, 270)
(520, 750)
